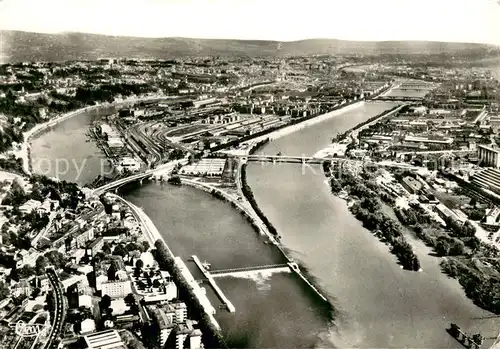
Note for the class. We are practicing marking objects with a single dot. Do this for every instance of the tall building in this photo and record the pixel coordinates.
(165, 325)
(117, 289)
(180, 312)
(488, 155)
(195, 339)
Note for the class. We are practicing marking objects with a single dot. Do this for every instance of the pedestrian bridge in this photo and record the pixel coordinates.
(271, 268)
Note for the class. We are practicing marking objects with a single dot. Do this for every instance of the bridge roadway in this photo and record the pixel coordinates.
(399, 98)
(275, 268)
(270, 158)
(319, 160)
(139, 176)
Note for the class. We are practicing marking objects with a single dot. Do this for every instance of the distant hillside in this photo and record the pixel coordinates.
(19, 46)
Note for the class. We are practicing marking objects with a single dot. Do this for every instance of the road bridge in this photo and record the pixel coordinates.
(122, 181)
(416, 86)
(400, 98)
(271, 268)
(290, 159)
(138, 177)
(311, 160)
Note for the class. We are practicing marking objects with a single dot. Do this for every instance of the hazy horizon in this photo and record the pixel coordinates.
(468, 21)
(236, 39)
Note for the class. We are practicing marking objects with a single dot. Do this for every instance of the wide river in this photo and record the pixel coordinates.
(377, 305)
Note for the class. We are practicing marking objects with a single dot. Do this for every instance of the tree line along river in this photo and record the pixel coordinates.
(377, 304)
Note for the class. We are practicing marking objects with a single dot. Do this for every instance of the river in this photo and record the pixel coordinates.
(193, 222)
(377, 304)
(63, 150)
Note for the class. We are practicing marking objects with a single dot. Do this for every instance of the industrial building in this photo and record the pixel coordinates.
(411, 184)
(104, 340)
(488, 155)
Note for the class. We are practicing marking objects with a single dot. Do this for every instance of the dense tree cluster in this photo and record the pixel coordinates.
(212, 338)
(107, 92)
(175, 180)
(459, 243)
(16, 195)
(430, 232)
(474, 213)
(176, 154)
(8, 136)
(483, 290)
(10, 163)
(247, 192)
(4, 290)
(368, 209)
(67, 194)
(27, 113)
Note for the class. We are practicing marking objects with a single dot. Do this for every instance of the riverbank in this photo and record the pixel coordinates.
(366, 206)
(354, 131)
(464, 257)
(250, 215)
(307, 123)
(199, 306)
(24, 151)
(261, 227)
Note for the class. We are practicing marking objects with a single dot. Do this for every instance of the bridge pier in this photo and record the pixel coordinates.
(218, 291)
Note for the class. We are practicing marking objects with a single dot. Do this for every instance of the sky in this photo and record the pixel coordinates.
(282, 20)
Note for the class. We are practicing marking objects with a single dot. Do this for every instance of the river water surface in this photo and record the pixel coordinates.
(64, 150)
(377, 304)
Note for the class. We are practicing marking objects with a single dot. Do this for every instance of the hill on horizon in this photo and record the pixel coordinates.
(18, 46)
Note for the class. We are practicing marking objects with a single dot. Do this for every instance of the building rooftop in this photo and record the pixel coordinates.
(104, 340)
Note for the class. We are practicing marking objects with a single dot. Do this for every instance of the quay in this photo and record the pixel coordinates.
(152, 234)
(216, 288)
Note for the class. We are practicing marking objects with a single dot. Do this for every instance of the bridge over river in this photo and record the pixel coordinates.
(274, 268)
(304, 160)
(139, 176)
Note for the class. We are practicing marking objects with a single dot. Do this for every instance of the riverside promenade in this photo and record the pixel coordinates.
(153, 235)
